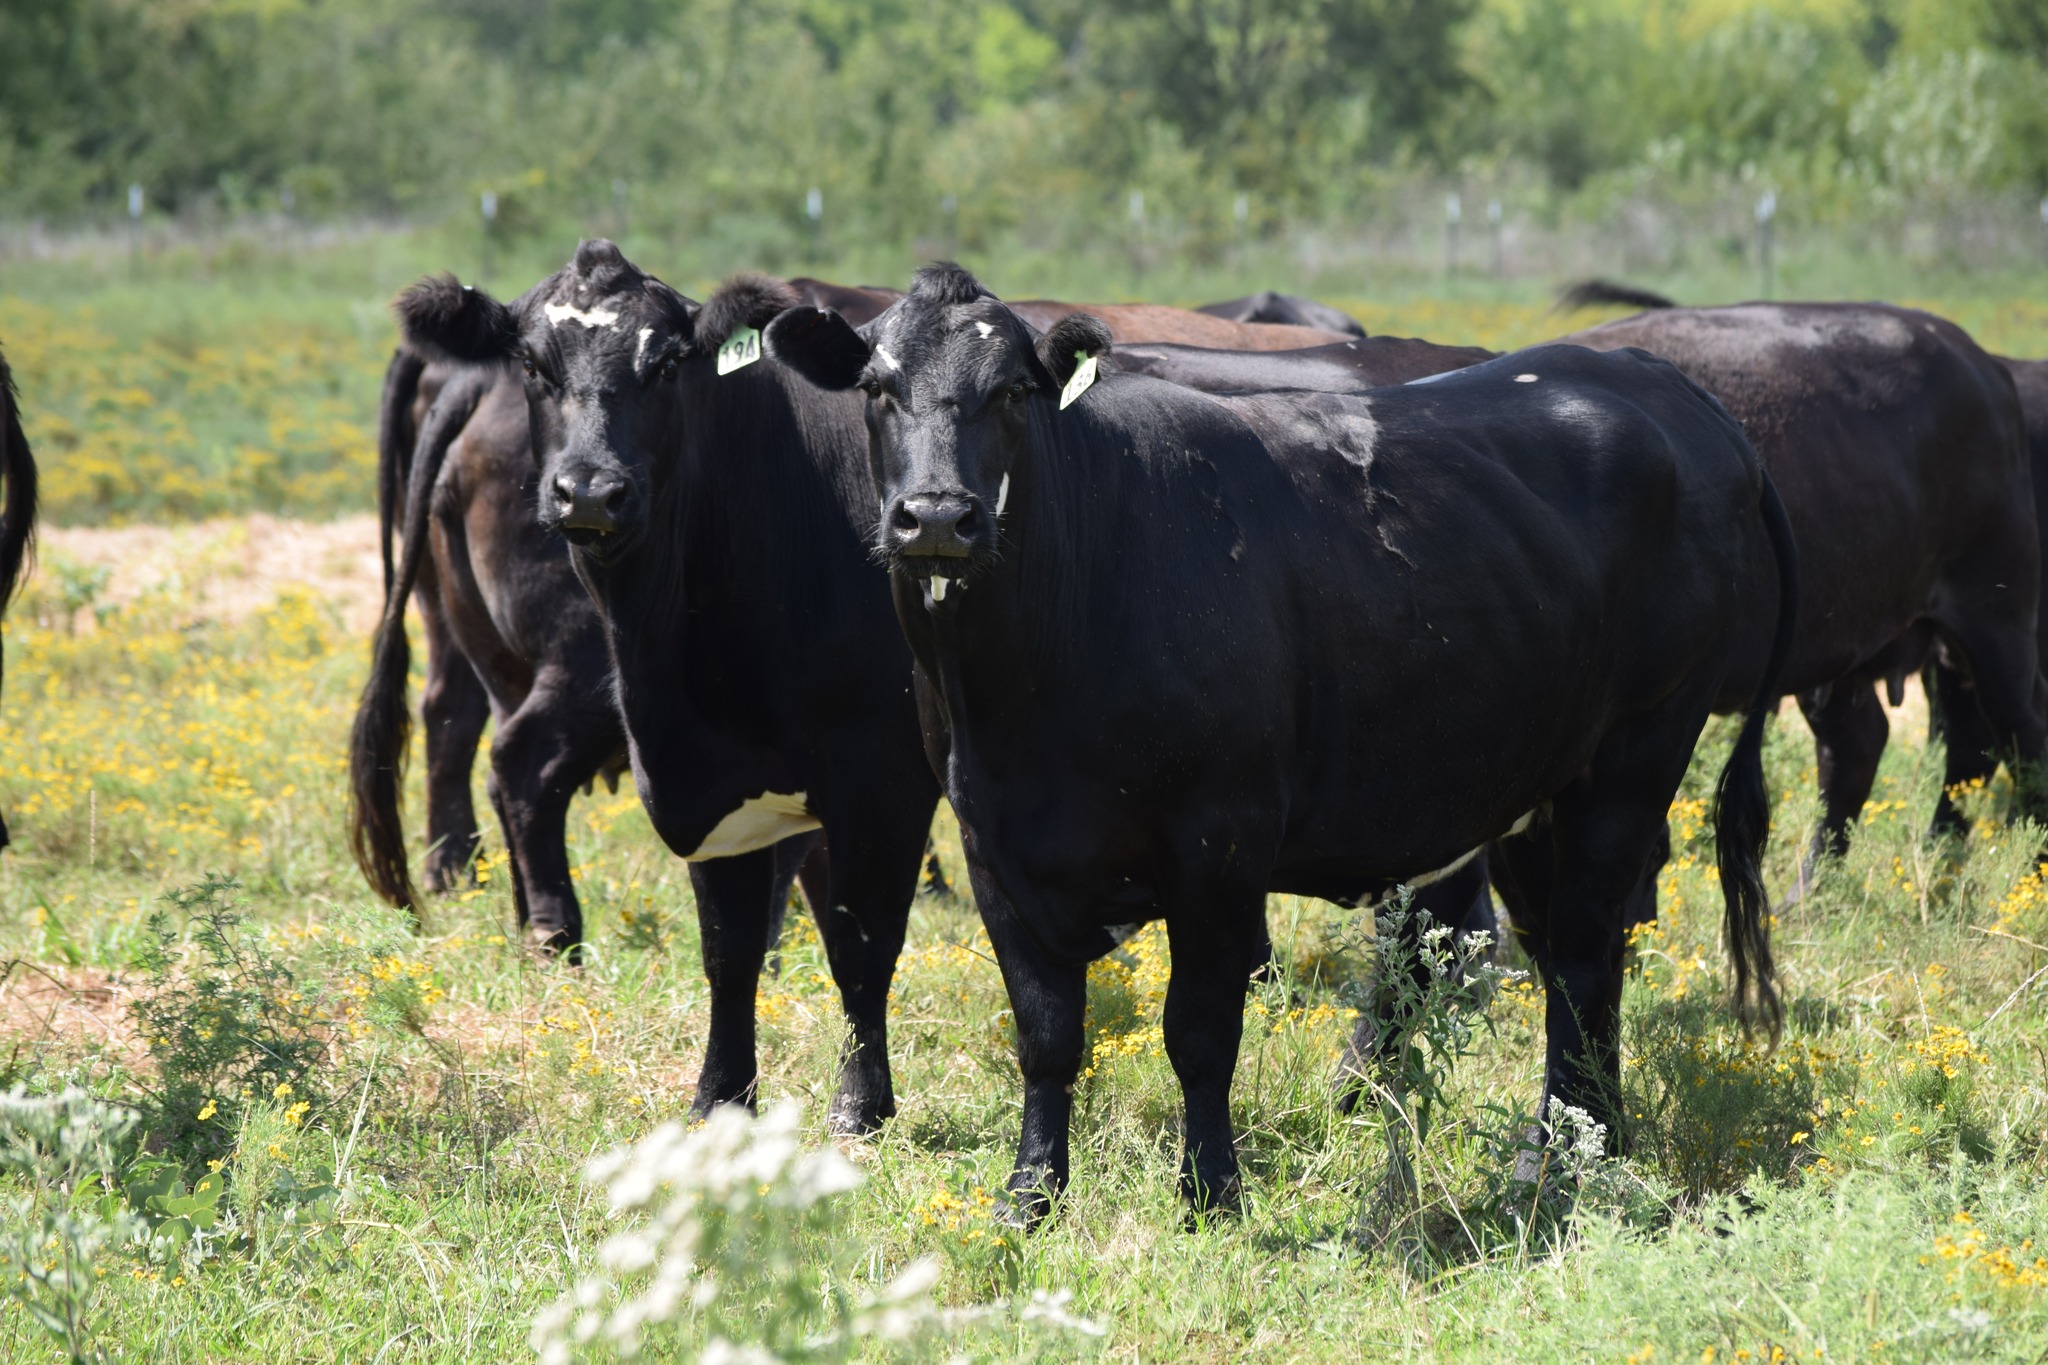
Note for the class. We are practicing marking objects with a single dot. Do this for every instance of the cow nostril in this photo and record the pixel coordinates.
(904, 519)
(565, 490)
(964, 523)
(615, 499)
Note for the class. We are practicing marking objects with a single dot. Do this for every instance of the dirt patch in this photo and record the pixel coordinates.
(228, 569)
(71, 1010)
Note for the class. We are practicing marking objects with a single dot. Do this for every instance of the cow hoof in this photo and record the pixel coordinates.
(1207, 1203)
(1023, 1208)
(854, 1118)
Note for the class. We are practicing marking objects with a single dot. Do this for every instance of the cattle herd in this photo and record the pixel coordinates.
(1177, 609)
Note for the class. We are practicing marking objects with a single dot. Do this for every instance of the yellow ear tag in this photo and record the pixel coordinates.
(743, 348)
(1084, 375)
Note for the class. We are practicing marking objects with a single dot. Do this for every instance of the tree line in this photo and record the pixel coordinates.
(964, 120)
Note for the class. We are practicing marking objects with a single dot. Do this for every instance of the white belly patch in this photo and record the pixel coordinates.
(766, 819)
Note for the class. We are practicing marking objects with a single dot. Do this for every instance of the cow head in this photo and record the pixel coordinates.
(951, 376)
(603, 346)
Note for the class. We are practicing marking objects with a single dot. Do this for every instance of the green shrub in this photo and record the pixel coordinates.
(225, 1022)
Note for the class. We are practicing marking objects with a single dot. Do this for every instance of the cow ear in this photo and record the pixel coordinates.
(1067, 341)
(818, 344)
(443, 319)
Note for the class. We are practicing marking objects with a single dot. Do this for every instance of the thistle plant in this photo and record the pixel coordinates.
(65, 1149)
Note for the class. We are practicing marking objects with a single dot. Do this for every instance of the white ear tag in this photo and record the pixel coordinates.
(1084, 375)
(742, 348)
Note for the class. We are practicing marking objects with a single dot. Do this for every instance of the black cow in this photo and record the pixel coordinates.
(511, 636)
(18, 513)
(1894, 442)
(1972, 746)
(1185, 650)
(510, 633)
(719, 521)
(1289, 309)
(1901, 451)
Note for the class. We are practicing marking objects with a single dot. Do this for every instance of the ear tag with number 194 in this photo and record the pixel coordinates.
(744, 348)
(1084, 375)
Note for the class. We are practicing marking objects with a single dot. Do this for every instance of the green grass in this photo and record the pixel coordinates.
(1806, 1200)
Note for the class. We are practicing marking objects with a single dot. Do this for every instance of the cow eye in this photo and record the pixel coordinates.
(526, 364)
(1019, 390)
(669, 368)
(871, 386)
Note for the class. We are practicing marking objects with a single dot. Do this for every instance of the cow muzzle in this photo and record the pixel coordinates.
(592, 503)
(934, 525)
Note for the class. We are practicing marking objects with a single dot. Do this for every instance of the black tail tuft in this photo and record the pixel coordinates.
(1742, 805)
(1607, 294)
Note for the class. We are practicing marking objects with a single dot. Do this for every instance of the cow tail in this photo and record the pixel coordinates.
(1742, 805)
(395, 437)
(382, 733)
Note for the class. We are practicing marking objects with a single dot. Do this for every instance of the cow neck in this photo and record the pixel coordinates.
(744, 535)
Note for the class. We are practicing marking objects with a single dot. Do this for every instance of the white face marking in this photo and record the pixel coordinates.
(640, 351)
(1525, 379)
(760, 821)
(985, 329)
(559, 313)
(1003, 495)
(882, 354)
(1119, 932)
(938, 588)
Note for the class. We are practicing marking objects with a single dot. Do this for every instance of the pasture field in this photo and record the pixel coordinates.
(409, 1189)
(396, 1122)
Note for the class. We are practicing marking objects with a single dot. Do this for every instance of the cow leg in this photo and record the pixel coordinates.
(544, 752)
(1969, 743)
(1642, 902)
(1462, 903)
(1213, 958)
(1049, 999)
(2013, 698)
(1605, 831)
(1849, 734)
(454, 709)
(735, 904)
(874, 862)
(495, 790)
(801, 856)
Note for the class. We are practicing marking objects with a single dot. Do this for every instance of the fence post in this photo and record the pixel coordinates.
(1766, 219)
(1454, 213)
(487, 204)
(1137, 207)
(135, 228)
(814, 209)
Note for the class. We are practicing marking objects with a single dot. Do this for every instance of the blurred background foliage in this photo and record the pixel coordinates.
(975, 124)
